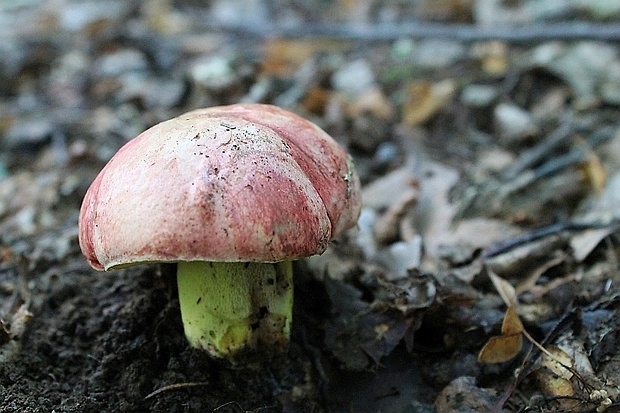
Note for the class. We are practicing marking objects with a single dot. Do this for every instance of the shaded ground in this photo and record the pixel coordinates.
(490, 174)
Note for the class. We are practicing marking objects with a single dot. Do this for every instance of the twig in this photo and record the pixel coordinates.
(175, 386)
(542, 232)
(546, 352)
(531, 157)
(378, 32)
(498, 406)
(241, 409)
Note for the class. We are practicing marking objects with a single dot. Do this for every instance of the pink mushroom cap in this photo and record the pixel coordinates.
(245, 182)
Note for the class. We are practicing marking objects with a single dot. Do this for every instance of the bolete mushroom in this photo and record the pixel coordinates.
(232, 194)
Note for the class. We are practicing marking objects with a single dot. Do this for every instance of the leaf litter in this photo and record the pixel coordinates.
(490, 174)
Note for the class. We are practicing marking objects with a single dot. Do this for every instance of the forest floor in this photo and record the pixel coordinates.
(482, 276)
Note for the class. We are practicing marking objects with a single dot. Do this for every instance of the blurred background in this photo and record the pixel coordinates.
(473, 124)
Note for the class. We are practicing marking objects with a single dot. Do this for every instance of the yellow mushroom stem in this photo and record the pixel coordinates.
(234, 309)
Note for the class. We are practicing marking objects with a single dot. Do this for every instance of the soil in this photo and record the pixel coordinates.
(482, 275)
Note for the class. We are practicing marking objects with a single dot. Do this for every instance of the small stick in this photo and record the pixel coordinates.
(530, 157)
(543, 232)
(175, 386)
(237, 405)
(523, 34)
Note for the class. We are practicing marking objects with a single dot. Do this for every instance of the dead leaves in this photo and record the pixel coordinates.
(19, 320)
(284, 56)
(361, 333)
(388, 226)
(14, 304)
(508, 345)
(11, 331)
(504, 289)
(563, 365)
(555, 373)
(424, 99)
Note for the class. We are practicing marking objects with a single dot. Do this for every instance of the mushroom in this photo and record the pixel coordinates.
(232, 194)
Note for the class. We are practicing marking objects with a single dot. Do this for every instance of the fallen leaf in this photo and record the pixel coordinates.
(407, 294)
(554, 386)
(464, 395)
(512, 323)
(529, 282)
(387, 333)
(500, 349)
(435, 210)
(584, 242)
(315, 100)
(371, 101)
(493, 57)
(424, 99)
(558, 363)
(504, 289)
(595, 171)
(379, 194)
(283, 56)
(387, 227)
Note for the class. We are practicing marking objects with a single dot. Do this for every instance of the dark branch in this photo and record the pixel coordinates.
(461, 32)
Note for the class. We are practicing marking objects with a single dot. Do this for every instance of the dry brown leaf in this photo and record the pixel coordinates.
(493, 57)
(504, 289)
(557, 362)
(371, 101)
(594, 171)
(536, 311)
(424, 99)
(162, 17)
(316, 99)
(283, 56)
(529, 282)
(554, 386)
(500, 349)
(512, 323)
(5, 254)
(554, 376)
(435, 208)
(482, 232)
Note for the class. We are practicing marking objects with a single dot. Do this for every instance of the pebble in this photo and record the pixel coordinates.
(353, 78)
(513, 123)
(121, 61)
(478, 95)
(401, 256)
(437, 53)
(213, 73)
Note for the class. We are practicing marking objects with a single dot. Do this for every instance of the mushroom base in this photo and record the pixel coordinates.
(236, 310)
